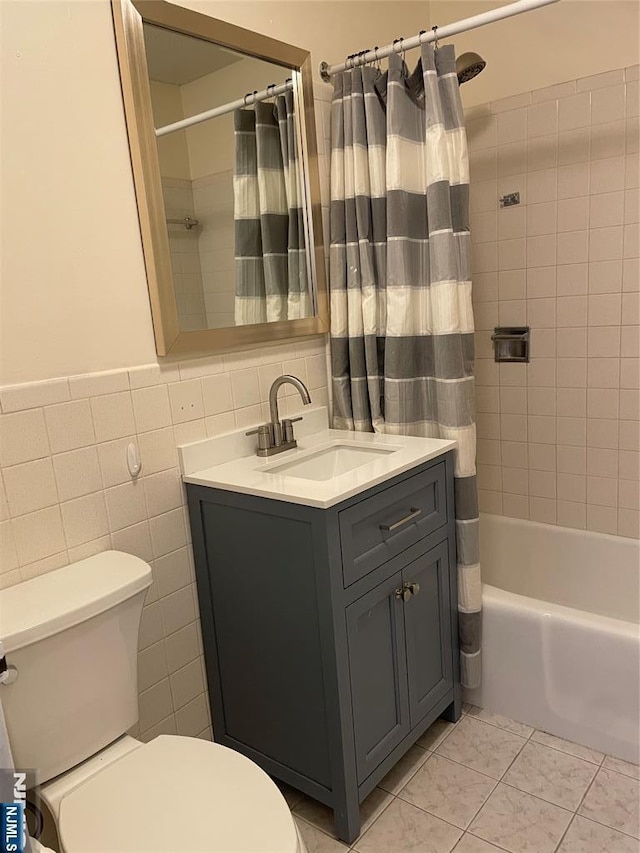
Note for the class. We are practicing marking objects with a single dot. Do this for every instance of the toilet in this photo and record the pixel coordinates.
(72, 637)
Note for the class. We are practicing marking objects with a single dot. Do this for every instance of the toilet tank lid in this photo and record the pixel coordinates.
(50, 603)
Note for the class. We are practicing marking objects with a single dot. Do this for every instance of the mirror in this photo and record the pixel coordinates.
(222, 138)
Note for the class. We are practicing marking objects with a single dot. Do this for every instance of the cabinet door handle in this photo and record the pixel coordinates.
(403, 592)
(407, 590)
(413, 514)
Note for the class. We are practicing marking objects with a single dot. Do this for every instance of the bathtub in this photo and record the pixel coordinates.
(561, 640)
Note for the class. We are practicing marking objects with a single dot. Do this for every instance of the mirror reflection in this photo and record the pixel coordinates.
(232, 184)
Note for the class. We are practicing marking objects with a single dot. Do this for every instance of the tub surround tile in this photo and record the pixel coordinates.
(519, 822)
(448, 790)
(551, 775)
(482, 747)
(614, 800)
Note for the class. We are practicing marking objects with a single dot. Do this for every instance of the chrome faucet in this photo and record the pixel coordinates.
(277, 436)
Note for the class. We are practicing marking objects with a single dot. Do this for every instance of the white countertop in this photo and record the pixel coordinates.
(230, 462)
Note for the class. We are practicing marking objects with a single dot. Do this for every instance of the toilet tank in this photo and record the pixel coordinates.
(72, 635)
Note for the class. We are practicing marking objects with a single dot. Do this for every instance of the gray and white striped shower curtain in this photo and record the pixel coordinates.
(401, 316)
(270, 258)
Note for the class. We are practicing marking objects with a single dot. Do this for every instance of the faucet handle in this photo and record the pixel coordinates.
(287, 427)
(265, 436)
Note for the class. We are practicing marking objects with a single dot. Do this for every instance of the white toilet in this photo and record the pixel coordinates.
(72, 636)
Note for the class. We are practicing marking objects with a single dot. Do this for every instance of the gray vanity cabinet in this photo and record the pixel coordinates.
(330, 635)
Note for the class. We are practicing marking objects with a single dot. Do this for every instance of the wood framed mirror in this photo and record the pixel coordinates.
(229, 204)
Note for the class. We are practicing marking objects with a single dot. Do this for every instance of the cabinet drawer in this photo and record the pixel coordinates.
(376, 529)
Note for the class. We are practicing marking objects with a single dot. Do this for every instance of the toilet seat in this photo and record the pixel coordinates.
(178, 795)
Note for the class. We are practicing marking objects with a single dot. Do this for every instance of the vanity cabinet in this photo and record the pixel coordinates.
(330, 635)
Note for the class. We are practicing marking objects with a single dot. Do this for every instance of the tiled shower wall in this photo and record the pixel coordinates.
(185, 257)
(558, 439)
(214, 207)
(65, 491)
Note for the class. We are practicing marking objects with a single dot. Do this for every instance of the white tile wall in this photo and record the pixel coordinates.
(66, 493)
(558, 439)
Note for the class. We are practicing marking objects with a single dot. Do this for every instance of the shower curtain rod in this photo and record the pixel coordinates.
(435, 34)
(250, 98)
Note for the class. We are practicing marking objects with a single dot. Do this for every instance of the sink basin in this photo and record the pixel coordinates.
(329, 462)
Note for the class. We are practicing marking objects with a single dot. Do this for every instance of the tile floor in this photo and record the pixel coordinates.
(489, 784)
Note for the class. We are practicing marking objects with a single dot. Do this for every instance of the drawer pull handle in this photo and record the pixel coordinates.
(389, 528)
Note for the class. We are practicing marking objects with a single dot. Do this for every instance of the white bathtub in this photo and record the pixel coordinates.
(561, 638)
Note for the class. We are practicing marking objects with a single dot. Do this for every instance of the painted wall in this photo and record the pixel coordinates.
(572, 38)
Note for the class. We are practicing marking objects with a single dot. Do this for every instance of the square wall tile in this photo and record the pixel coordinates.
(573, 214)
(607, 175)
(605, 277)
(572, 341)
(186, 401)
(604, 342)
(571, 402)
(77, 473)
(571, 312)
(30, 486)
(573, 247)
(113, 416)
(574, 146)
(84, 519)
(605, 244)
(574, 112)
(23, 437)
(573, 180)
(542, 119)
(572, 279)
(38, 535)
(151, 408)
(69, 425)
(571, 459)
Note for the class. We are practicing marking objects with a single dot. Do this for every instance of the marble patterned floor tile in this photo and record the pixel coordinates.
(471, 844)
(498, 720)
(585, 836)
(624, 767)
(435, 734)
(403, 828)
(555, 776)
(614, 800)
(408, 766)
(482, 747)
(318, 842)
(448, 790)
(584, 752)
(520, 823)
(321, 816)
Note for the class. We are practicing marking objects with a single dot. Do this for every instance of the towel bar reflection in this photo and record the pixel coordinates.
(511, 343)
(186, 221)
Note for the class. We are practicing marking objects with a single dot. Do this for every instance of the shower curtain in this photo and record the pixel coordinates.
(401, 316)
(270, 258)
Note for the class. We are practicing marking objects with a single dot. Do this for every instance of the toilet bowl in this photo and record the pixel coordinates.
(72, 637)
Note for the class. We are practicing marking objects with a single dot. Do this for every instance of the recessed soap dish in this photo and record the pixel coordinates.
(511, 343)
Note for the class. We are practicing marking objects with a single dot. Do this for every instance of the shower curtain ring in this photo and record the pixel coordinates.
(244, 98)
(436, 44)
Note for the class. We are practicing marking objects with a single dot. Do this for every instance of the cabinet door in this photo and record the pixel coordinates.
(427, 620)
(377, 660)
